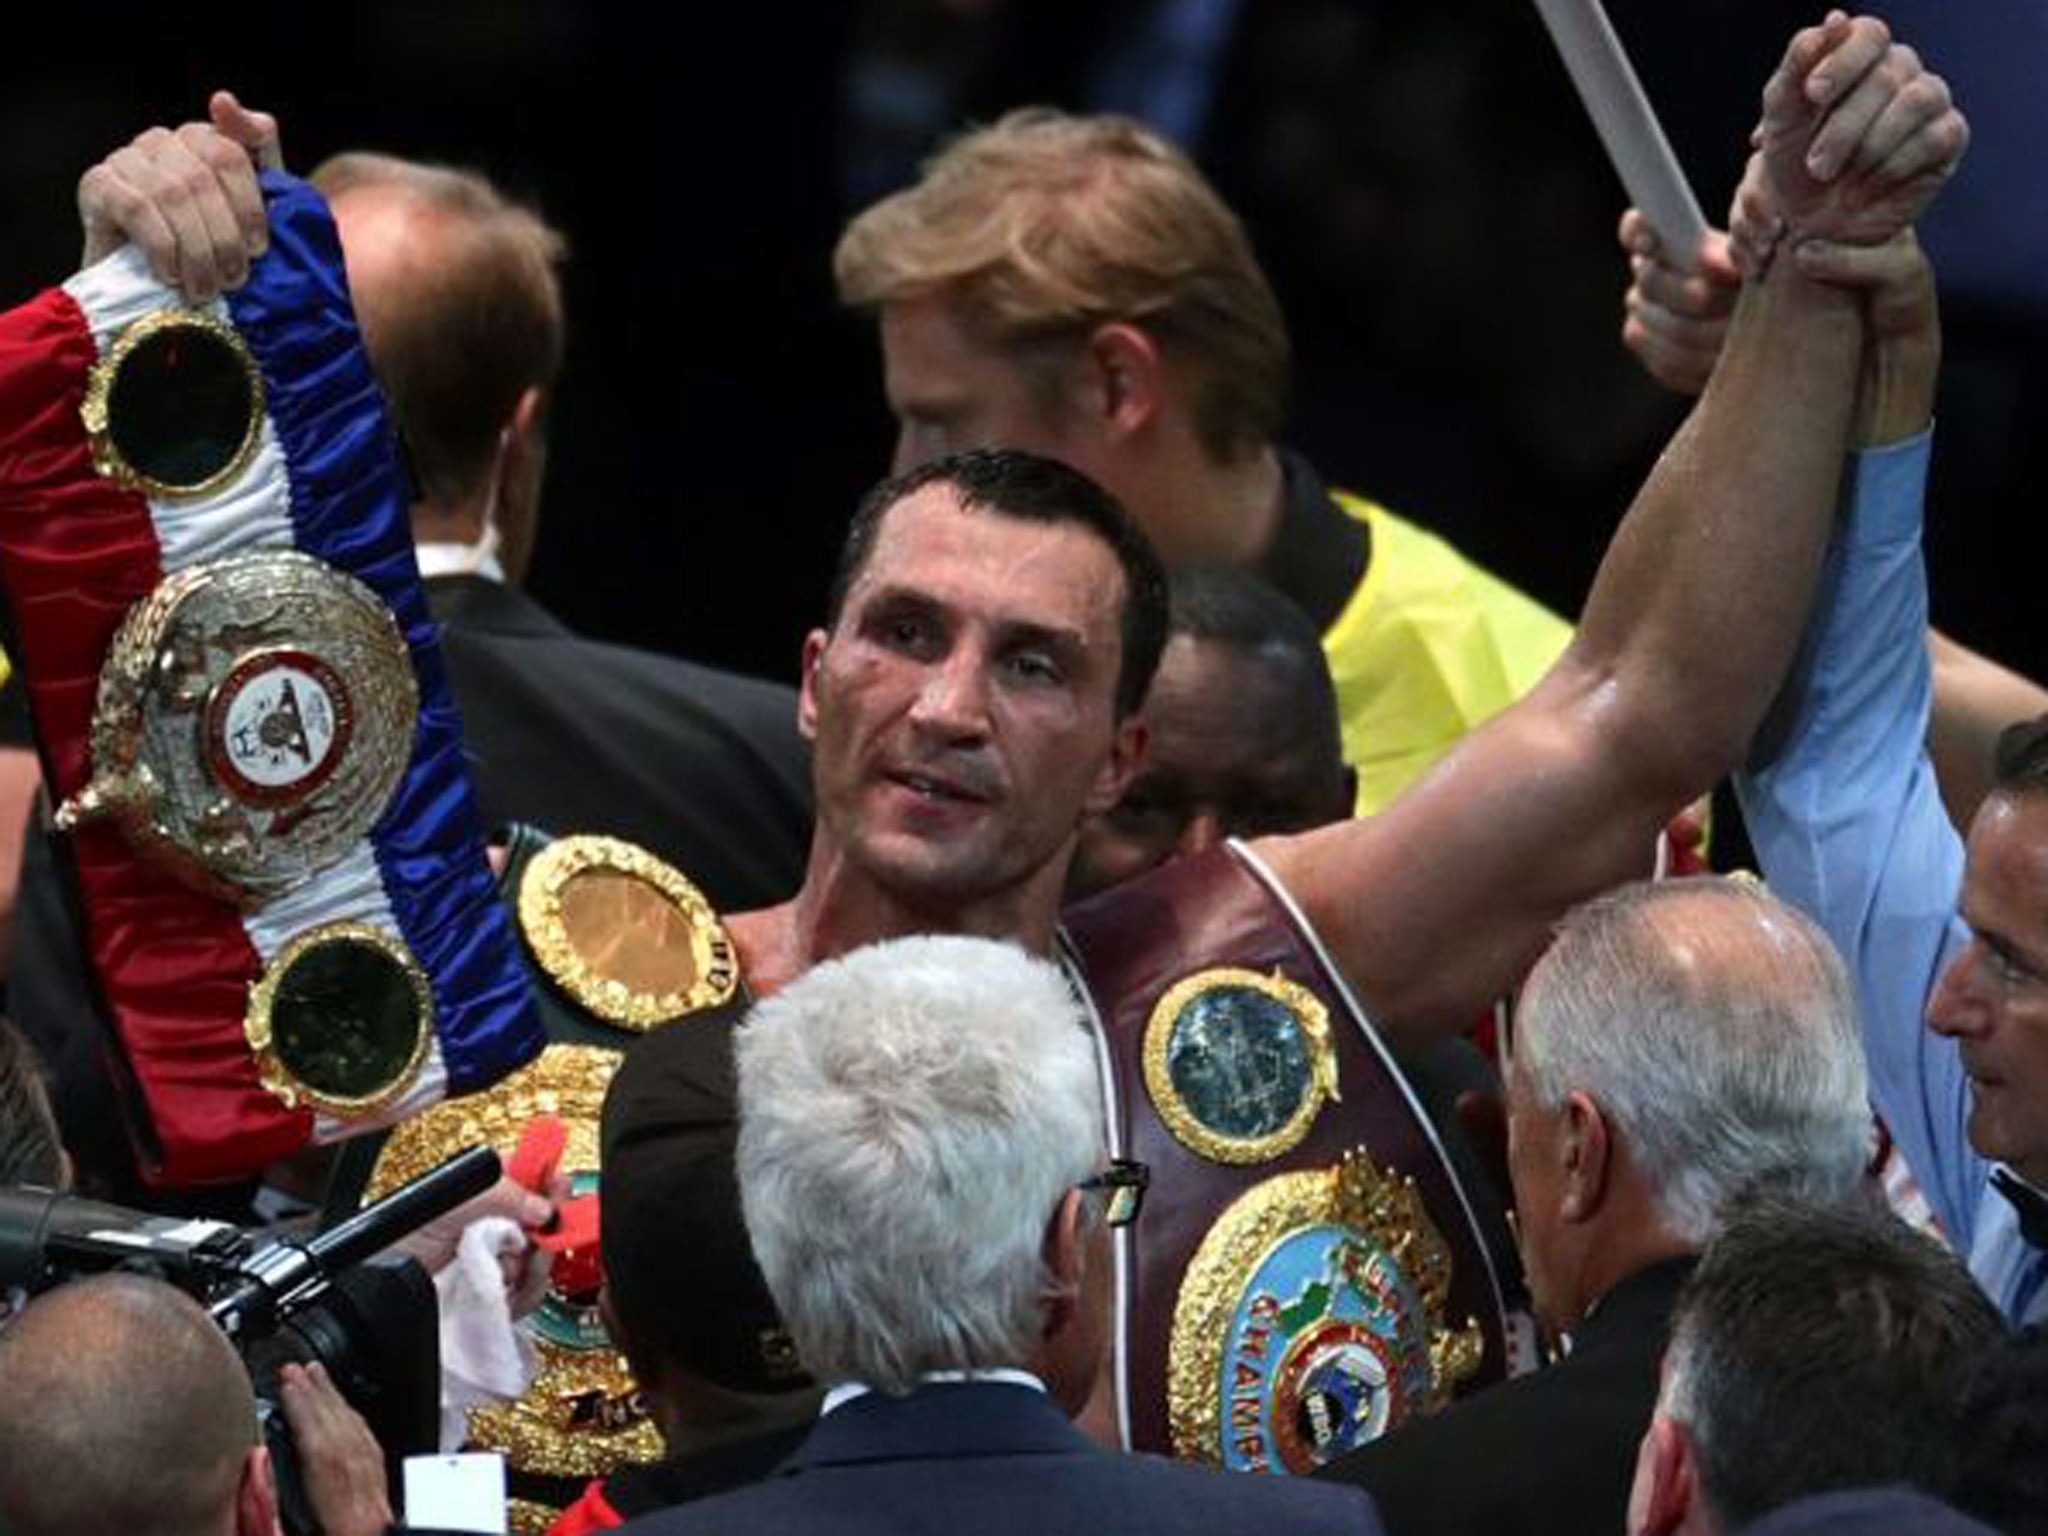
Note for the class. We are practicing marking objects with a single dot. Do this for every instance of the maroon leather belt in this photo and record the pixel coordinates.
(1306, 1271)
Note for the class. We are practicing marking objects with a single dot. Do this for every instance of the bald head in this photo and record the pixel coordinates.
(122, 1409)
(456, 288)
(1715, 1027)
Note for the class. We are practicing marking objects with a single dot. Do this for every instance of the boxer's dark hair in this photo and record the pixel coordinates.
(1030, 488)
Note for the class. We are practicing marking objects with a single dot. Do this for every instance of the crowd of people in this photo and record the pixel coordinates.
(1157, 838)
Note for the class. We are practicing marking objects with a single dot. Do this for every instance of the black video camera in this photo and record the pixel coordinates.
(368, 1318)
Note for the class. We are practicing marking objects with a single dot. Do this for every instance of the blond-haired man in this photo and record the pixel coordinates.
(1074, 286)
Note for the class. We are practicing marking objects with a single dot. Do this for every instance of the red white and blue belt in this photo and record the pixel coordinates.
(240, 699)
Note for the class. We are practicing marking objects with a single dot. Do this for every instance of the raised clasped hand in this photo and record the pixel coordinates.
(1856, 138)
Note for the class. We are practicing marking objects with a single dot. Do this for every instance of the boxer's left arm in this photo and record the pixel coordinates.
(1437, 905)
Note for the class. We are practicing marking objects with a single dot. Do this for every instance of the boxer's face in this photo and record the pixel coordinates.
(1993, 998)
(963, 707)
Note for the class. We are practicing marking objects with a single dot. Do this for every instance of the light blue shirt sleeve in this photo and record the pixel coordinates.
(1842, 808)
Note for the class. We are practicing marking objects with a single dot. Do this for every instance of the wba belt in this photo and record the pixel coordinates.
(1307, 1271)
(240, 700)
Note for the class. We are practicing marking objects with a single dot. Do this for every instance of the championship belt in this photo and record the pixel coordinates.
(584, 1416)
(624, 939)
(627, 944)
(239, 699)
(1307, 1272)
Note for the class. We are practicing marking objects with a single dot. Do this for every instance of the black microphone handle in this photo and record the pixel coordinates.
(377, 1226)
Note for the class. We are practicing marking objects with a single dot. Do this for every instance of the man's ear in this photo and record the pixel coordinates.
(522, 449)
(1125, 377)
(1126, 757)
(1667, 1480)
(1066, 1260)
(806, 698)
(1588, 1150)
(256, 1496)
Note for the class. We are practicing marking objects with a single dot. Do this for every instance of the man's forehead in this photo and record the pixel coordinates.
(1206, 685)
(2005, 871)
(933, 540)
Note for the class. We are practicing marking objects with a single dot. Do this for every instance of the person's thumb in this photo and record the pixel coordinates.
(254, 131)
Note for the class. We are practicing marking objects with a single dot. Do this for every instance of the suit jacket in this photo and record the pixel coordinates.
(1561, 1441)
(1896, 1511)
(704, 768)
(999, 1460)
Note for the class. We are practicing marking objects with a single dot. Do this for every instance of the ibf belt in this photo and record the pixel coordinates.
(241, 706)
(1306, 1272)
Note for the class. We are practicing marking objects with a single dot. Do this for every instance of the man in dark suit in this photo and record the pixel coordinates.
(456, 291)
(1657, 1012)
(1816, 1350)
(921, 1163)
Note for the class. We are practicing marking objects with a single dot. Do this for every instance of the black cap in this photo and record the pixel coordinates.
(684, 1285)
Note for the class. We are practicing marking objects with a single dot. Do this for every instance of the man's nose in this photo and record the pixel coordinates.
(1957, 1005)
(954, 697)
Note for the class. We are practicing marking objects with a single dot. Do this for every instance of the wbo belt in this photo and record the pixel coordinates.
(1307, 1272)
(240, 701)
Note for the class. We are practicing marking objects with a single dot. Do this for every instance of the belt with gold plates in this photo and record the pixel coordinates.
(1307, 1272)
(623, 944)
(239, 697)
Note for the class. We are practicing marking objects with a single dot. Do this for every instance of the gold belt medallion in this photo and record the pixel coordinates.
(624, 934)
(254, 716)
(1238, 1064)
(175, 406)
(584, 1415)
(341, 1019)
(1311, 1321)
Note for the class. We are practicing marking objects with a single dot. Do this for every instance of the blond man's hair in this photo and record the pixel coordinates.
(1043, 226)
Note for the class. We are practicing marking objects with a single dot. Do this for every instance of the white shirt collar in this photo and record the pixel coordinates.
(479, 559)
(845, 1392)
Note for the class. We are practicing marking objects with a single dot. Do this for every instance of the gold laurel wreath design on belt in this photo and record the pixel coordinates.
(1356, 1193)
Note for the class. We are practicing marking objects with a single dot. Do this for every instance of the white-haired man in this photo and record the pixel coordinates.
(1678, 1044)
(922, 1166)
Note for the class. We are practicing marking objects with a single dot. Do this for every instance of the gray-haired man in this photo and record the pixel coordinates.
(1678, 1044)
(922, 1163)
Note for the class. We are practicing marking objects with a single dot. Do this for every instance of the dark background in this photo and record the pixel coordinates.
(1418, 177)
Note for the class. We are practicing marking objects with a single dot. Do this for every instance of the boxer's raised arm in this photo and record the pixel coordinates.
(1436, 906)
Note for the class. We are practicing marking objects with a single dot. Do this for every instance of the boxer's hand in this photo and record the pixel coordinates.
(1857, 135)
